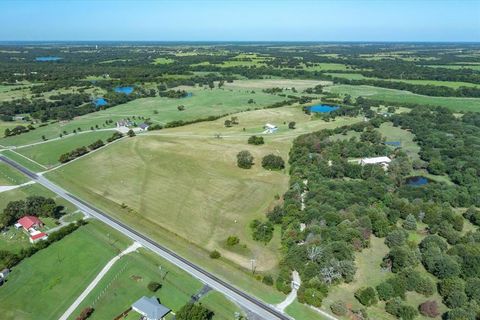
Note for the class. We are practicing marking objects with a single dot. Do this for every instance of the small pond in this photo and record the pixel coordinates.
(393, 143)
(323, 108)
(45, 59)
(100, 102)
(125, 90)
(417, 181)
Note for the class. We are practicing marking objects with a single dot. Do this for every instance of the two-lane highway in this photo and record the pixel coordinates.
(253, 304)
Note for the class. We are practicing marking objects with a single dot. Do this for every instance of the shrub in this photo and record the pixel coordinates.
(366, 296)
(131, 133)
(244, 159)
(85, 314)
(339, 308)
(401, 311)
(215, 254)
(273, 162)
(232, 240)
(154, 286)
(291, 125)
(429, 309)
(256, 140)
(268, 280)
(262, 231)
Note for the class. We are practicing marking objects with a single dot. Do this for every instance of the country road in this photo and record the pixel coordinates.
(260, 308)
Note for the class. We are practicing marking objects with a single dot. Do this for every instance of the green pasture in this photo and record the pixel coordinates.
(392, 96)
(48, 153)
(450, 84)
(58, 273)
(10, 176)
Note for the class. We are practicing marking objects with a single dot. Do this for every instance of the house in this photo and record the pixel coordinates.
(36, 236)
(270, 128)
(143, 126)
(383, 161)
(124, 123)
(29, 222)
(150, 308)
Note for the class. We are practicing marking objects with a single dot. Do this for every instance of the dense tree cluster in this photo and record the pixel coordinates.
(33, 205)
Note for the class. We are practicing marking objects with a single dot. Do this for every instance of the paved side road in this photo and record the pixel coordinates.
(97, 279)
(251, 303)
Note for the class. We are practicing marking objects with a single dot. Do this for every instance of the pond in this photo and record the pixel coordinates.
(100, 102)
(323, 108)
(393, 143)
(125, 90)
(417, 181)
(45, 59)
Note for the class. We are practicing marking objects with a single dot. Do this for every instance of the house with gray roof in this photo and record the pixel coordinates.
(150, 308)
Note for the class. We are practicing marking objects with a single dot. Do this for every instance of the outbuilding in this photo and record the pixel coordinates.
(150, 308)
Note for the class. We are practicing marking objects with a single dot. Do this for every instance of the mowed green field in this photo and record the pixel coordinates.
(59, 273)
(10, 176)
(128, 279)
(392, 96)
(450, 84)
(48, 153)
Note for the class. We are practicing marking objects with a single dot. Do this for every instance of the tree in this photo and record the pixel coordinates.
(273, 162)
(255, 140)
(194, 311)
(131, 133)
(366, 296)
(244, 159)
(154, 286)
(401, 311)
(181, 108)
(85, 314)
(262, 231)
(397, 237)
(291, 125)
(268, 280)
(228, 123)
(410, 222)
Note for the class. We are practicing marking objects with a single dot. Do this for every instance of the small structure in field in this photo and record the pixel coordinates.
(124, 123)
(150, 308)
(270, 128)
(383, 161)
(4, 273)
(143, 127)
(36, 236)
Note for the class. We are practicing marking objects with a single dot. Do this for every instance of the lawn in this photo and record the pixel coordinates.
(59, 273)
(10, 176)
(48, 153)
(127, 281)
(163, 61)
(27, 163)
(392, 96)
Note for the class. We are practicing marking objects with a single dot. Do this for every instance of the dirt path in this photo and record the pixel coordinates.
(97, 279)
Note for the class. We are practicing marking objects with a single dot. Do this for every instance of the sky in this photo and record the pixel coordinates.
(248, 20)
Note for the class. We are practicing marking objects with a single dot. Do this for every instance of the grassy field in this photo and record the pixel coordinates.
(202, 103)
(392, 96)
(94, 244)
(303, 312)
(26, 162)
(397, 134)
(450, 84)
(48, 153)
(10, 176)
(207, 191)
(162, 61)
(127, 281)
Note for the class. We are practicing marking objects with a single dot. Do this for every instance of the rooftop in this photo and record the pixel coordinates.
(150, 308)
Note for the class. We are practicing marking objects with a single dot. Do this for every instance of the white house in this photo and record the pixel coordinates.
(383, 161)
(150, 308)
